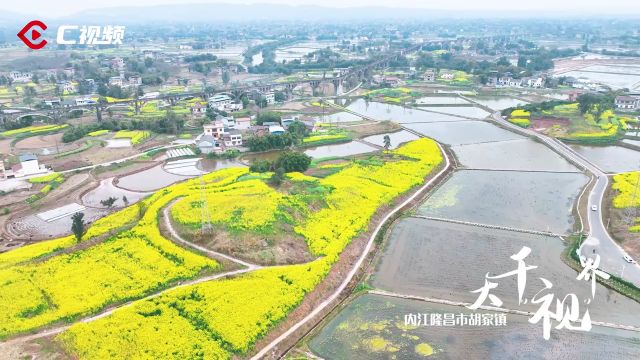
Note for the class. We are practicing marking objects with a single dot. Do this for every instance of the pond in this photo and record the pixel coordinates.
(612, 159)
(463, 132)
(339, 150)
(267, 155)
(149, 180)
(522, 154)
(524, 200)
(105, 190)
(498, 102)
(396, 138)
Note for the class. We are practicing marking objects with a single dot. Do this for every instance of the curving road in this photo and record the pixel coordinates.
(598, 241)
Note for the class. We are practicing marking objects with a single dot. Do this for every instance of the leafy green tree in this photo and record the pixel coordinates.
(268, 116)
(108, 202)
(260, 166)
(387, 142)
(77, 225)
(226, 77)
(297, 129)
(293, 161)
(277, 177)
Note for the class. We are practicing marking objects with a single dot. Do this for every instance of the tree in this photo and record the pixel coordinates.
(108, 202)
(280, 96)
(291, 161)
(77, 225)
(269, 116)
(387, 142)
(260, 166)
(297, 129)
(226, 77)
(277, 177)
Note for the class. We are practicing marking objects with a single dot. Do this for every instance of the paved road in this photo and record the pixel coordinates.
(599, 241)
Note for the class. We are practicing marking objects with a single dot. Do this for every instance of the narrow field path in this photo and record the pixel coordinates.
(110, 310)
(498, 227)
(176, 237)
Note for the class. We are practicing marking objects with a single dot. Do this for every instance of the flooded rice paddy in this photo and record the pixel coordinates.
(149, 180)
(106, 189)
(447, 261)
(372, 327)
(344, 149)
(397, 138)
(525, 200)
(441, 100)
(612, 159)
(463, 132)
(613, 80)
(465, 111)
(498, 102)
(522, 154)
(33, 226)
(396, 113)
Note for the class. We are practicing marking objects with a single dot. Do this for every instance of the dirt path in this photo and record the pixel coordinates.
(178, 238)
(109, 311)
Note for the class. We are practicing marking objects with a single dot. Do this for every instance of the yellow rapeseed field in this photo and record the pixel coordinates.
(222, 318)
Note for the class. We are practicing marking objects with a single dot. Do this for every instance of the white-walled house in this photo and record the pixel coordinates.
(214, 129)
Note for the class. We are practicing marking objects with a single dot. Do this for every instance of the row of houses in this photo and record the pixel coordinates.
(121, 81)
(218, 137)
(508, 80)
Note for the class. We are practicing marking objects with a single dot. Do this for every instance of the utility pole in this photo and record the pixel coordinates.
(205, 217)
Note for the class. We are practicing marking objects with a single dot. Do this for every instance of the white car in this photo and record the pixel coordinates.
(594, 207)
(628, 259)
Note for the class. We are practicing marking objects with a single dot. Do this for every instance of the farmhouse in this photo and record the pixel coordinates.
(429, 76)
(627, 102)
(214, 129)
(207, 144)
(243, 123)
(232, 138)
(197, 109)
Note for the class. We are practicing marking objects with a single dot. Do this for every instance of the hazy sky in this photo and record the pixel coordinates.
(49, 8)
